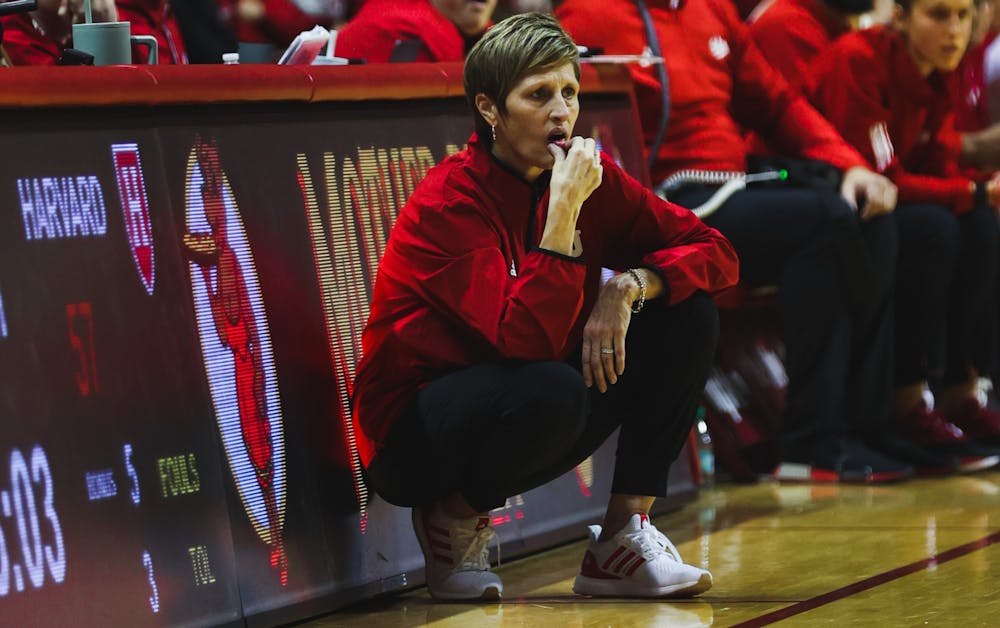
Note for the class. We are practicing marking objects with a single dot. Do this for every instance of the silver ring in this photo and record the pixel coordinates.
(607, 351)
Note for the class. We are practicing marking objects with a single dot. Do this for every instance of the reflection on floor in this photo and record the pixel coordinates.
(924, 552)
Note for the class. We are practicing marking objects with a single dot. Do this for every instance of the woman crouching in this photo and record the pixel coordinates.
(495, 360)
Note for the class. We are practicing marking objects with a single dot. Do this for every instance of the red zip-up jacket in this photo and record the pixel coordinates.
(25, 45)
(792, 33)
(381, 24)
(972, 105)
(868, 86)
(156, 18)
(462, 282)
(719, 83)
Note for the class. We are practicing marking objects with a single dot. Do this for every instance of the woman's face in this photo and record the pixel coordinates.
(541, 110)
(937, 32)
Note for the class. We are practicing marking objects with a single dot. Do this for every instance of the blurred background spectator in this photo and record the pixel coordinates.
(414, 30)
(39, 37)
(206, 36)
(155, 18)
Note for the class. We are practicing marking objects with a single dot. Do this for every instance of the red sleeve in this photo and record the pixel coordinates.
(27, 47)
(789, 46)
(764, 102)
(848, 92)
(453, 261)
(688, 254)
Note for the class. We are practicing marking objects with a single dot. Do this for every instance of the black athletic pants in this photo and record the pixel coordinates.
(494, 430)
(946, 316)
(834, 275)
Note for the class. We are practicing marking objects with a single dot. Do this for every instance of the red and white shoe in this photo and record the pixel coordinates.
(638, 561)
(456, 556)
(978, 421)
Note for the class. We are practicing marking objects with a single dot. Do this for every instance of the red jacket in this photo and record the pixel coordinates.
(462, 283)
(868, 86)
(972, 105)
(792, 33)
(719, 83)
(156, 18)
(381, 24)
(25, 45)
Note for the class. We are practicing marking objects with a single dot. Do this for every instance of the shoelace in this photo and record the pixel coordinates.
(665, 543)
(654, 543)
(476, 556)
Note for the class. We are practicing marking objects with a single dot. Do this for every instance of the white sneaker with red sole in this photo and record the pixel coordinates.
(638, 561)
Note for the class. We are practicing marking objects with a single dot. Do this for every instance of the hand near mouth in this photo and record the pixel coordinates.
(576, 173)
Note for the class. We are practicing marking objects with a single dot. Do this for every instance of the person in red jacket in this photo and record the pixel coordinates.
(275, 23)
(414, 30)
(830, 249)
(40, 36)
(792, 34)
(890, 92)
(495, 359)
(155, 18)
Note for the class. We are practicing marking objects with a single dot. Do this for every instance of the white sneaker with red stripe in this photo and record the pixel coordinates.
(638, 561)
(456, 557)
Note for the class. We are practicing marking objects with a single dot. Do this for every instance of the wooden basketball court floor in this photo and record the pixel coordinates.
(921, 553)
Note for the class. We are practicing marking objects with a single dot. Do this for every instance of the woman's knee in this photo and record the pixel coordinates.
(556, 393)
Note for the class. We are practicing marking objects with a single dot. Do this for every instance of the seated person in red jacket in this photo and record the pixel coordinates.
(39, 37)
(889, 91)
(156, 18)
(792, 34)
(830, 250)
(972, 111)
(414, 30)
(278, 22)
(495, 359)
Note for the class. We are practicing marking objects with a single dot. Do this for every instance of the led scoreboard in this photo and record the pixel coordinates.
(181, 300)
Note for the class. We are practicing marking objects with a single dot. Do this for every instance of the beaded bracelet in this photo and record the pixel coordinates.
(641, 301)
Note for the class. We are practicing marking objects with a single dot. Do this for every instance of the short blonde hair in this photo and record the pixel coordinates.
(514, 48)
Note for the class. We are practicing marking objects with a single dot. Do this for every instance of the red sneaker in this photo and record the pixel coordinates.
(978, 421)
(931, 430)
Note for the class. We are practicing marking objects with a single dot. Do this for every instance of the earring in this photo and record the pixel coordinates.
(493, 129)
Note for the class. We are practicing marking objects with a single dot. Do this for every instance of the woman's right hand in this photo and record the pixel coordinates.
(575, 175)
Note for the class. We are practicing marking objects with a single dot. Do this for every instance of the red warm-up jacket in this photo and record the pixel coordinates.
(868, 86)
(792, 33)
(25, 45)
(462, 281)
(719, 84)
(156, 18)
(972, 107)
(381, 24)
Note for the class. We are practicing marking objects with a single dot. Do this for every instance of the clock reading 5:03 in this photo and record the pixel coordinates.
(31, 539)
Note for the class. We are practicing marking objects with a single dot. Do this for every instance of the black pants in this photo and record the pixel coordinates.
(945, 293)
(834, 276)
(498, 429)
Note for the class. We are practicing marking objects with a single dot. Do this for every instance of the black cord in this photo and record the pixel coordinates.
(661, 70)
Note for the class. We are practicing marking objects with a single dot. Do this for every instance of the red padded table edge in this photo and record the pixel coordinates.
(197, 84)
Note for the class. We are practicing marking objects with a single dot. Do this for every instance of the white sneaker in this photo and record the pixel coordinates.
(638, 561)
(456, 557)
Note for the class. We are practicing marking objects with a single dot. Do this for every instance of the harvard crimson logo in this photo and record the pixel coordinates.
(135, 210)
